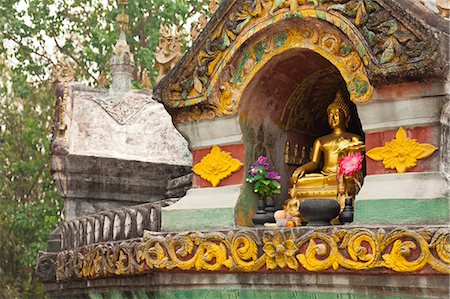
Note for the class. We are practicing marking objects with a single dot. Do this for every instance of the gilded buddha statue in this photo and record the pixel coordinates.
(308, 181)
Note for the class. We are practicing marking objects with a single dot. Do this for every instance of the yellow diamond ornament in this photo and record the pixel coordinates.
(216, 166)
(401, 153)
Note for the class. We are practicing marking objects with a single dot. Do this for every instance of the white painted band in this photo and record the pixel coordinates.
(208, 198)
(379, 116)
(411, 185)
(206, 133)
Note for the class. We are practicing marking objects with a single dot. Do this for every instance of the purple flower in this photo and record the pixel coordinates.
(262, 160)
(253, 171)
(273, 175)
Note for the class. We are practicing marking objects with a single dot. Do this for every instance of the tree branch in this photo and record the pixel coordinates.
(84, 67)
(28, 48)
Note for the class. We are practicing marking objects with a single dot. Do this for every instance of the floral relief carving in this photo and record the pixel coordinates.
(280, 251)
(402, 152)
(243, 250)
(216, 166)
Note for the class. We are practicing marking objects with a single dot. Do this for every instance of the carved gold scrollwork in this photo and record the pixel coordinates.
(330, 42)
(353, 62)
(403, 243)
(400, 250)
(320, 253)
(244, 251)
(386, 42)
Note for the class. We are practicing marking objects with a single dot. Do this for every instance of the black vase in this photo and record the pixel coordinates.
(346, 215)
(260, 216)
(319, 211)
(270, 210)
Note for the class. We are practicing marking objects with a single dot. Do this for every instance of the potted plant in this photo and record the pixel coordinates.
(266, 183)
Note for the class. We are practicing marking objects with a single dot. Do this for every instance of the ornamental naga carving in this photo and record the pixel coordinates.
(387, 43)
(401, 153)
(63, 73)
(168, 53)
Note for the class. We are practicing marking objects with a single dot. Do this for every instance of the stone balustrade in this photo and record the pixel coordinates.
(119, 224)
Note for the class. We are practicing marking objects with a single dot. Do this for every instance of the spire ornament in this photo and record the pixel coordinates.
(123, 19)
(122, 62)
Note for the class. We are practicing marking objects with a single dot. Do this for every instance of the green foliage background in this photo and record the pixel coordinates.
(32, 34)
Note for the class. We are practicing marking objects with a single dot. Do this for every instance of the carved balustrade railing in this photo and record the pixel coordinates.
(112, 225)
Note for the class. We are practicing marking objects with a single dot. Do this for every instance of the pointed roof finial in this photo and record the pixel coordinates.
(123, 19)
(122, 62)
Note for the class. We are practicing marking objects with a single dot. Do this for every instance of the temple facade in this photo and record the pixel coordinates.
(159, 201)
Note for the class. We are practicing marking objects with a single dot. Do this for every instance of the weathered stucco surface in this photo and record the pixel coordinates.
(129, 126)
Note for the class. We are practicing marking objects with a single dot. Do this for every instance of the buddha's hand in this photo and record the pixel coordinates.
(298, 173)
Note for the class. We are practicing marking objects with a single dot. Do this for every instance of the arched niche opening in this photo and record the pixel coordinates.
(283, 110)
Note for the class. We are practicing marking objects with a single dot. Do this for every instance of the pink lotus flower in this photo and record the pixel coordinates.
(350, 164)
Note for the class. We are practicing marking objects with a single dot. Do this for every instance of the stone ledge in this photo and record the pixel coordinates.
(202, 208)
(257, 285)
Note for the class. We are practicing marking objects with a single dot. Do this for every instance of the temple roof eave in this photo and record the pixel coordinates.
(426, 22)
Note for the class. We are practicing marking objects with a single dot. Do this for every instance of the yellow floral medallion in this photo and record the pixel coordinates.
(401, 153)
(216, 166)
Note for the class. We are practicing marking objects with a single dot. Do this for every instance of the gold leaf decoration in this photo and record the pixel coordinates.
(361, 14)
(401, 153)
(216, 166)
(371, 250)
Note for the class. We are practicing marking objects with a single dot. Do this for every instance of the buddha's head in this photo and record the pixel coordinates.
(338, 112)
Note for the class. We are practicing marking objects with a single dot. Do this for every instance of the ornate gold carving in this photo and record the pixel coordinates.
(213, 6)
(296, 156)
(280, 251)
(380, 38)
(261, 51)
(62, 73)
(401, 153)
(216, 166)
(168, 52)
(356, 249)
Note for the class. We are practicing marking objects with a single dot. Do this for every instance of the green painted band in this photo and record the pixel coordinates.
(402, 211)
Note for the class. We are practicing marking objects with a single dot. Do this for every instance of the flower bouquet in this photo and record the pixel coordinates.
(266, 183)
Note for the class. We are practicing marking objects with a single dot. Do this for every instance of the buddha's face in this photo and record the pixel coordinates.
(336, 117)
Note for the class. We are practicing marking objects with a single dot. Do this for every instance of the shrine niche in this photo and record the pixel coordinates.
(271, 89)
(284, 109)
(267, 71)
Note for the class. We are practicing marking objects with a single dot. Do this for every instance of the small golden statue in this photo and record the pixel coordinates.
(324, 183)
